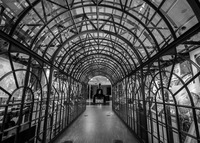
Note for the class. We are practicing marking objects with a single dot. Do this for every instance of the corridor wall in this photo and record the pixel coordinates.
(37, 101)
(163, 104)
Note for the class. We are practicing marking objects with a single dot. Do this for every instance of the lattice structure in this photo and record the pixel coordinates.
(148, 49)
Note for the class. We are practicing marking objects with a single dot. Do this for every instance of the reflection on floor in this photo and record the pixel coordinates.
(98, 124)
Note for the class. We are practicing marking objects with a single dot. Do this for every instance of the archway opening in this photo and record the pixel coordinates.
(99, 82)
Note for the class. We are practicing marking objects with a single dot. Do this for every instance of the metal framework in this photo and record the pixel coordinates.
(49, 50)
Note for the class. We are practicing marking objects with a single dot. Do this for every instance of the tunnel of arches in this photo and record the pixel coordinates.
(148, 50)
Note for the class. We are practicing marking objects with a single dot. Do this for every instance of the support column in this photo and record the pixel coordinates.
(143, 118)
(47, 104)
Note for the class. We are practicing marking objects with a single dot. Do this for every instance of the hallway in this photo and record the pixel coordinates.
(143, 55)
(98, 124)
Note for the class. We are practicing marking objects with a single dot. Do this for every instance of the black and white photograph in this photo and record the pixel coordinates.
(99, 71)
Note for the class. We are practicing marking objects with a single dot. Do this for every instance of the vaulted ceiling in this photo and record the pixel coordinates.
(86, 38)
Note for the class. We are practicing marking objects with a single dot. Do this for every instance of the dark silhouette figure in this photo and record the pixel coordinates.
(99, 95)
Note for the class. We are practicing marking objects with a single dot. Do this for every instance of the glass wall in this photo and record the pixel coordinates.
(162, 105)
(37, 102)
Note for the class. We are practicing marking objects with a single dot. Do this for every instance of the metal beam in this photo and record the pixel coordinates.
(191, 32)
(11, 40)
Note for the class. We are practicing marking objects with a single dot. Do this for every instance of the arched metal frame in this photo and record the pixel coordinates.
(107, 72)
(109, 67)
(104, 55)
(76, 50)
(86, 18)
(75, 40)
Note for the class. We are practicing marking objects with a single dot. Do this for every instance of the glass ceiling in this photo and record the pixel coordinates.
(99, 80)
(97, 37)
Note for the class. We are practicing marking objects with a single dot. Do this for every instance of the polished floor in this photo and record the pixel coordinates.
(98, 124)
